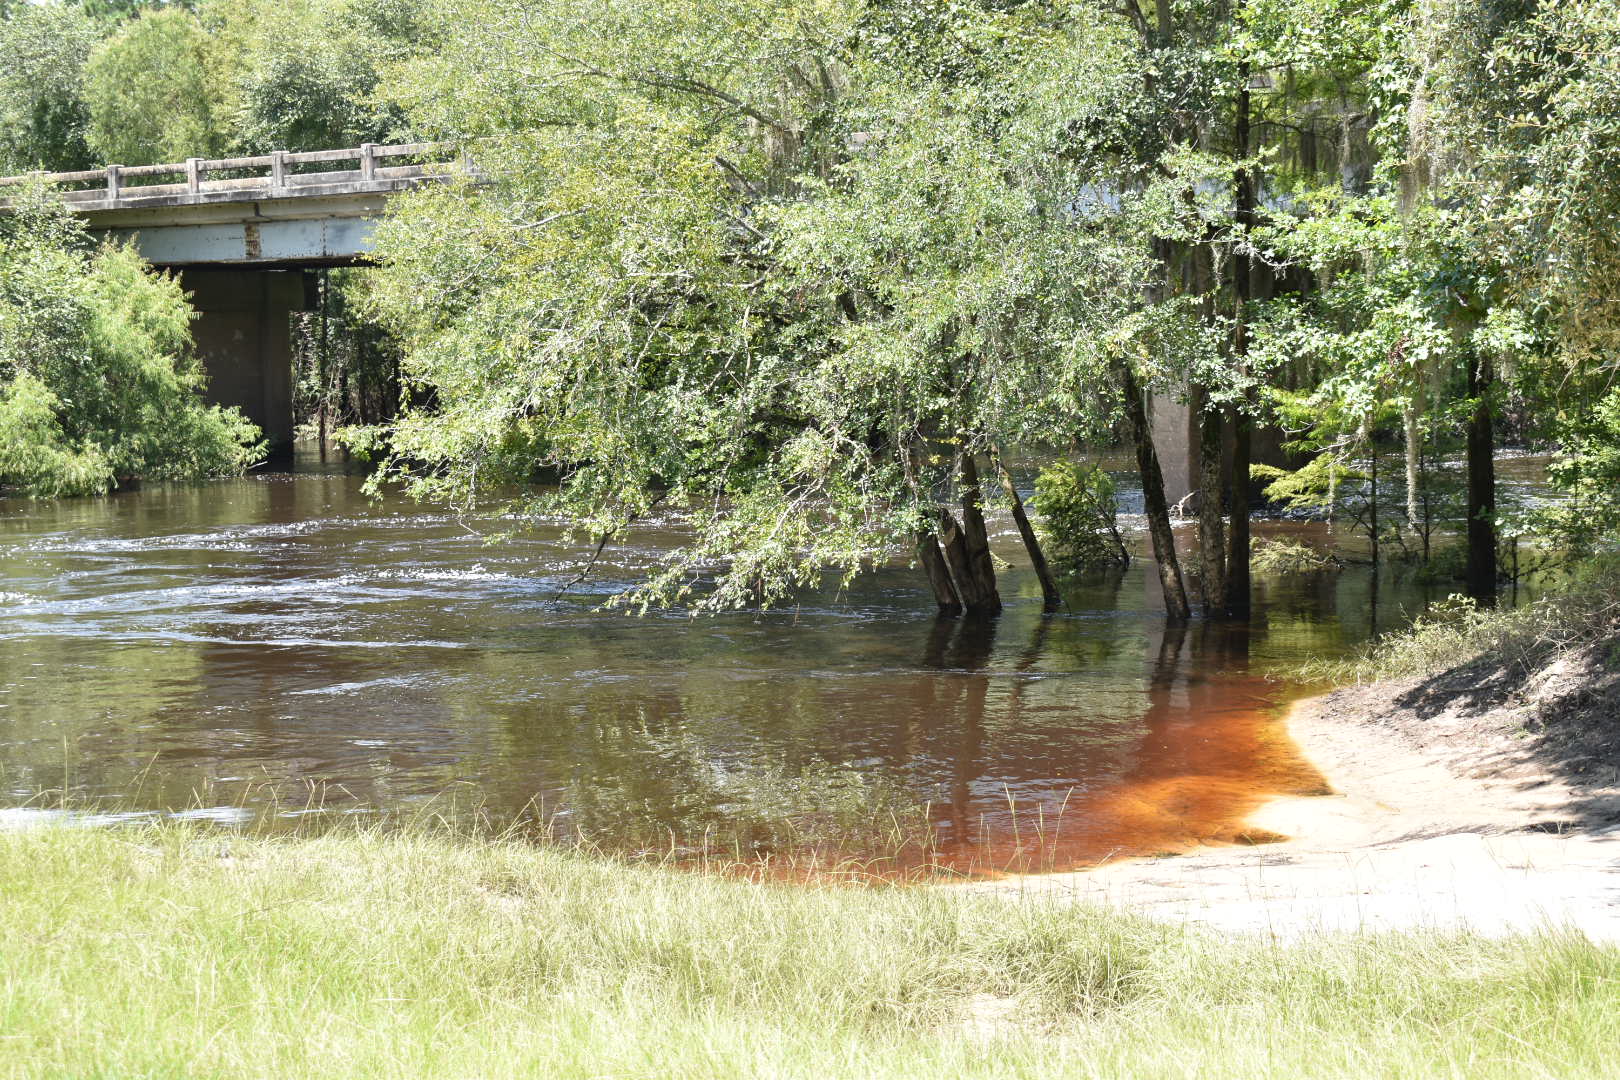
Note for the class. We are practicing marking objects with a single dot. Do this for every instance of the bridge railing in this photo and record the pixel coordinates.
(277, 174)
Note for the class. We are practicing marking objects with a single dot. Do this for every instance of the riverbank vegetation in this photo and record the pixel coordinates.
(99, 384)
(1579, 614)
(160, 950)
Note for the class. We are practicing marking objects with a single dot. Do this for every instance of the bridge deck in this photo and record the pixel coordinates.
(274, 176)
(274, 211)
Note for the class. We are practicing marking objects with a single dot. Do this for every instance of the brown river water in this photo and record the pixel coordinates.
(281, 649)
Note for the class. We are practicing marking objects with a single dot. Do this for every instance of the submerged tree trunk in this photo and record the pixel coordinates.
(982, 598)
(939, 575)
(1153, 501)
(1051, 598)
(1372, 502)
(1414, 449)
(1237, 558)
(979, 598)
(1481, 484)
(1211, 503)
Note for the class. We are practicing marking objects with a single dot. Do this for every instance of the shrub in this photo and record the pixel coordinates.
(1290, 557)
(1079, 514)
(98, 381)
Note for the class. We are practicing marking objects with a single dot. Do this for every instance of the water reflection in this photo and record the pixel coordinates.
(281, 641)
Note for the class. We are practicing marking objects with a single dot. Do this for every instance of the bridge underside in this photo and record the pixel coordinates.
(271, 234)
(244, 337)
(246, 266)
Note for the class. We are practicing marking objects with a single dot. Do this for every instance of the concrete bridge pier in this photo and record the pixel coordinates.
(244, 337)
(1177, 432)
(1175, 436)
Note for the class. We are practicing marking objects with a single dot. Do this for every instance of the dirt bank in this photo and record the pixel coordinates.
(1458, 801)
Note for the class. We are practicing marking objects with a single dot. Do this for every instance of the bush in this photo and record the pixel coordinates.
(1290, 557)
(98, 381)
(1587, 473)
(1079, 514)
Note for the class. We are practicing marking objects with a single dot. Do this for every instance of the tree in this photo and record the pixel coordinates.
(154, 93)
(98, 383)
(786, 272)
(303, 75)
(112, 12)
(43, 116)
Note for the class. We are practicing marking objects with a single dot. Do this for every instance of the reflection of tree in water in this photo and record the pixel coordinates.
(1210, 753)
(648, 781)
(961, 650)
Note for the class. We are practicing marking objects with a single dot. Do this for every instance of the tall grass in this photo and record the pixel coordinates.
(168, 950)
(1582, 612)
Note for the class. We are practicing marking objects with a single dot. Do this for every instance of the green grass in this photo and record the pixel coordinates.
(1581, 612)
(179, 951)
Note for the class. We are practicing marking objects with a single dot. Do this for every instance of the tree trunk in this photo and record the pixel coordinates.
(1051, 598)
(977, 600)
(1414, 448)
(939, 575)
(1372, 505)
(1211, 503)
(1481, 484)
(977, 538)
(1237, 560)
(320, 368)
(1153, 501)
(1237, 557)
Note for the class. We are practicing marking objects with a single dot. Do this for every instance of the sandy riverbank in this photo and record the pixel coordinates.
(1422, 830)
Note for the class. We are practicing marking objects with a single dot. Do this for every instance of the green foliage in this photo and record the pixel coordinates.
(720, 285)
(1079, 514)
(36, 454)
(155, 92)
(1588, 474)
(1283, 556)
(42, 111)
(1529, 116)
(112, 12)
(1313, 486)
(302, 75)
(98, 383)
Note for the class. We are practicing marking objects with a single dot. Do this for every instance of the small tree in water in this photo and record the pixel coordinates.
(1079, 512)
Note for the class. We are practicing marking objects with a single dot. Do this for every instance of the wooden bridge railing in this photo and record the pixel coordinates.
(108, 188)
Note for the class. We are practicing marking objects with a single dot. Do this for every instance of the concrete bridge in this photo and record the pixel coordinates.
(243, 234)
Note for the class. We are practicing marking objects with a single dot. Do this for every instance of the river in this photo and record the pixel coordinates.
(282, 649)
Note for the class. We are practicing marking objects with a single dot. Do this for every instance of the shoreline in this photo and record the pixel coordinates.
(1406, 840)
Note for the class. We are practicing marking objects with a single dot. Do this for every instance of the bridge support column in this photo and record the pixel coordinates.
(244, 336)
(1175, 437)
